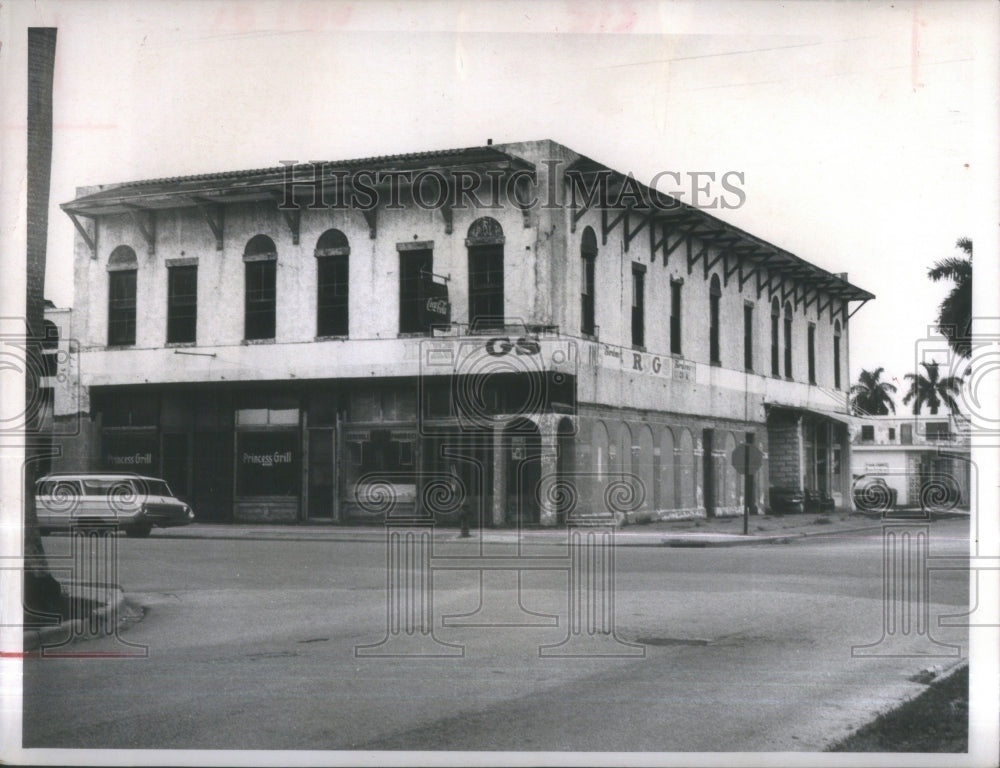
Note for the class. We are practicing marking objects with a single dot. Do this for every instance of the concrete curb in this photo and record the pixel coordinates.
(623, 537)
(66, 634)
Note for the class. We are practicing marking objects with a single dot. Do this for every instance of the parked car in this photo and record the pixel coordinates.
(133, 502)
(873, 494)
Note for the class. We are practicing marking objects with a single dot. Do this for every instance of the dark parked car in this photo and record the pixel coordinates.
(873, 494)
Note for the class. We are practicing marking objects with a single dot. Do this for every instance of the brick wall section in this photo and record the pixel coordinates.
(784, 454)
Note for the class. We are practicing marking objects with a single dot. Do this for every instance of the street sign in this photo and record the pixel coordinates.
(747, 458)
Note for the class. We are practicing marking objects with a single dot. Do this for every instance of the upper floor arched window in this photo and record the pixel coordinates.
(122, 268)
(836, 354)
(775, 333)
(332, 280)
(788, 340)
(714, 297)
(485, 241)
(261, 261)
(588, 257)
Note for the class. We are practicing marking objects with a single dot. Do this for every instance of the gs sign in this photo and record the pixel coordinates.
(523, 346)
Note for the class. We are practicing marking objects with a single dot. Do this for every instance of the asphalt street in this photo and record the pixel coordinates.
(251, 645)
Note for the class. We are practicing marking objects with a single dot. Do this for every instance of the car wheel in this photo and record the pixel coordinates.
(139, 531)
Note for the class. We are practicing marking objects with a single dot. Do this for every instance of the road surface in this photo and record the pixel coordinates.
(251, 645)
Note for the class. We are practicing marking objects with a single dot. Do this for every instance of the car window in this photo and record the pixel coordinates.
(107, 487)
(61, 488)
(155, 487)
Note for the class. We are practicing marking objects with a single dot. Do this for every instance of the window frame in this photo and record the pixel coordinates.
(188, 308)
(676, 347)
(122, 308)
(714, 342)
(409, 303)
(638, 304)
(811, 351)
(788, 340)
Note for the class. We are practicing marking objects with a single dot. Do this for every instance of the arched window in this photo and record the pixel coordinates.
(715, 295)
(122, 269)
(332, 254)
(485, 241)
(836, 354)
(588, 257)
(261, 261)
(788, 340)
(775, 320)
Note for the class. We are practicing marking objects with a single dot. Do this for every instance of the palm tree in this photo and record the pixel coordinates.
(871, 396)
(931, 390)
(955, 312)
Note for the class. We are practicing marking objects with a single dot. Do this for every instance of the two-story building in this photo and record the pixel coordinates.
(925, 458)
(505, 330)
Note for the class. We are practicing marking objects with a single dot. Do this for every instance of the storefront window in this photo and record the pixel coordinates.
(130, 452)
(268, 463)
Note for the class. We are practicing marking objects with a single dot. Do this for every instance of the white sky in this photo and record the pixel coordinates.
(855, 124)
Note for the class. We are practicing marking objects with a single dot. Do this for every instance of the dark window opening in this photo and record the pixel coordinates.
(868, 432)
(675, 317)
(836, 355)
(638, 305)
(121, 308)
(788, 341)
(413, 265)
(588, 253)
(938, 430)
(812, 353)
(715, 293)
(182, 304)
(260, 299)
(775, 352)
(748, 337)
(331, 301)
(486, 287)
(892, 434)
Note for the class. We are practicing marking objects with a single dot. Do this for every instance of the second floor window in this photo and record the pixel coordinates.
(122, 269)
(788, 340)
(332, 254)
(748, 336)
(836, 354)
(675, 317)
(121, 308)
(811, 351)
(715, 295)
(638, 305)
(775, 350)
(182, 304)
(261, 288)
(588, 254)
(485, 242)
(415, 267)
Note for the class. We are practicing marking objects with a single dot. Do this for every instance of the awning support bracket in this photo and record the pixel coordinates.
(90, 241)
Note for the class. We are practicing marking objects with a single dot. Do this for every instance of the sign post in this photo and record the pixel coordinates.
(746, 460)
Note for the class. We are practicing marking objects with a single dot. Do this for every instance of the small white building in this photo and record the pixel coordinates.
(925, 458)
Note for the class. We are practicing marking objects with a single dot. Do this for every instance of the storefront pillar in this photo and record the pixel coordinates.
(499, 509)
(548, 509)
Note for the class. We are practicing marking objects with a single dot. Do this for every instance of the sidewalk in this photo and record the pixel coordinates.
(715, 532)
